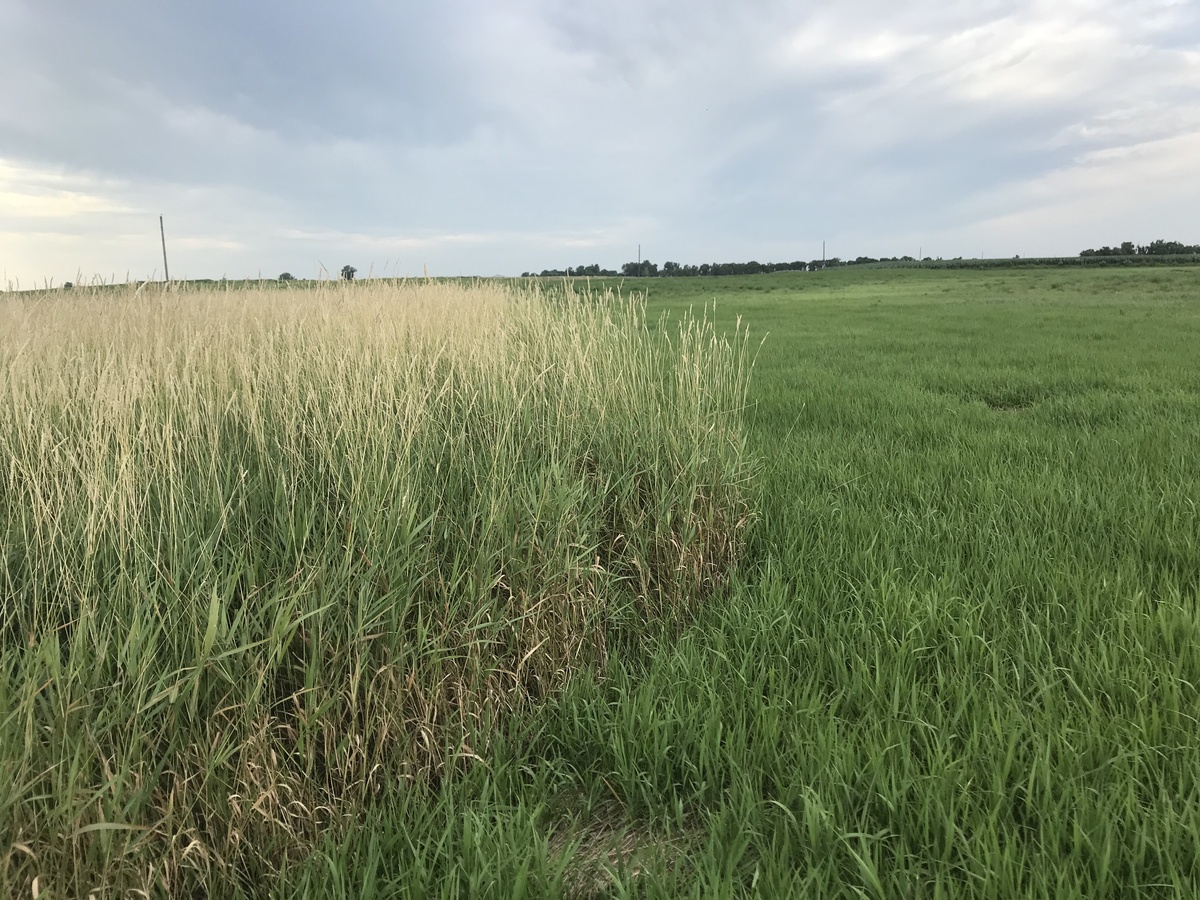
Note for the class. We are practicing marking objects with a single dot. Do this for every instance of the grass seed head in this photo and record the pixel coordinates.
(274, 555)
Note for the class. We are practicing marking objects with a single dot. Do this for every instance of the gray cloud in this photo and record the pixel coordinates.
(494, 137)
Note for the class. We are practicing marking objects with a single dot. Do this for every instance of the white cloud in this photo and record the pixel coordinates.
(30, 192)
(506, 135)
(1108, 194)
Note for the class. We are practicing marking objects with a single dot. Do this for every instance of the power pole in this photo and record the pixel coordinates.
(639, 268)
(163, 234)
(822, 254)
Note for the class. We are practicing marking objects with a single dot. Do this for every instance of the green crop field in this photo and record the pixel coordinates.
(875, 583)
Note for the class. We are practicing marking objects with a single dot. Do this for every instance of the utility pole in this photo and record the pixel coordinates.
(822, 254)
(639, 268)
(163, 234)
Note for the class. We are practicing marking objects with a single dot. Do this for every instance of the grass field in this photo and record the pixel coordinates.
(947, 643)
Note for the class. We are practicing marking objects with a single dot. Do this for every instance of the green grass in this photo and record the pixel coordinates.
(271, 560)
(960, 656)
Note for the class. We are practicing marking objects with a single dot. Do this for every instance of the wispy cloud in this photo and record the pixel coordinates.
(31, 193)
(501, 136)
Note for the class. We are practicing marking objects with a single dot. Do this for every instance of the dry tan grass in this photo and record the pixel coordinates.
(275, 552)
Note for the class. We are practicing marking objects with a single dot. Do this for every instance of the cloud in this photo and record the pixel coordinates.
(1144, 181)
(499, 136)
(29, 194)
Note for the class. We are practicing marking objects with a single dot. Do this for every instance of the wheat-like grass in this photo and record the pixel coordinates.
(269, 554)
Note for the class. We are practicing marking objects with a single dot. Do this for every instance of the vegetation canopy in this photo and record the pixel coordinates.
(269, 558)
(447, 591)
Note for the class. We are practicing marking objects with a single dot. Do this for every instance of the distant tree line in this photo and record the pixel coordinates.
(669, 269)
(647, 269)
(1154, 248)
(572, 271)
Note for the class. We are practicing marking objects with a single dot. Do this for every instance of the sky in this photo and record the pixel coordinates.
(490, 137)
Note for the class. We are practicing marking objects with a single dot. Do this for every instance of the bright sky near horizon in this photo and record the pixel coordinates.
(489, 137)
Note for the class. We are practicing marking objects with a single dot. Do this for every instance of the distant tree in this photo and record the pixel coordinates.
(287, 276)
(348, 273)
(634, 270)
(67, 285)
(1154, 248)
(1169, 248)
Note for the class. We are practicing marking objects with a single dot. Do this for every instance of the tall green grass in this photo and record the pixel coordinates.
(959, 655)
(269, 556)
(961, 659)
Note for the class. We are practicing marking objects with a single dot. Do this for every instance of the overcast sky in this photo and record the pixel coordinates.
(494, 136)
